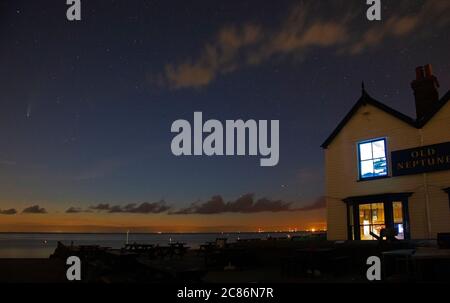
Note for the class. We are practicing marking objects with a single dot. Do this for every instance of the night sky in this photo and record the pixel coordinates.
(87, 106)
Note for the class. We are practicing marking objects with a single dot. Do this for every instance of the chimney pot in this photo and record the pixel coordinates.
(425, 89)
(428, 71)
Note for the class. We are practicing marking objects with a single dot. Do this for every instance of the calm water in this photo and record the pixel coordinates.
(41, 245)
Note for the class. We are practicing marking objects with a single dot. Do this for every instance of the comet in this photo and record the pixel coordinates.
(28, 111)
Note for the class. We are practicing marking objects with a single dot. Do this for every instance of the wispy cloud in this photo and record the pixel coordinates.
(143, 208)
(35, 209)
(432, 15)
(76, 210)
(219, 56)
(11, 211)
(244, 204)
(308, 26)
(319, 203)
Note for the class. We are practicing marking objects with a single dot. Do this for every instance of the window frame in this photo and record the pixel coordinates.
(358, 154)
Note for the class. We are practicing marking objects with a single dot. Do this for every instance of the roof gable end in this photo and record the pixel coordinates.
(364, 100)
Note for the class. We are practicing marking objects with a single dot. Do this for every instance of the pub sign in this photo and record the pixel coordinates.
(421, 159)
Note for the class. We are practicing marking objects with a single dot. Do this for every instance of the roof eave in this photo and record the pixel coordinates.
(366, 99)
(424, 120)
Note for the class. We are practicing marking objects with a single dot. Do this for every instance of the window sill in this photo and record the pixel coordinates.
(373, 178)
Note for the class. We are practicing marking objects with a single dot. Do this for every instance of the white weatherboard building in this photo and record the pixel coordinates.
(389, 173)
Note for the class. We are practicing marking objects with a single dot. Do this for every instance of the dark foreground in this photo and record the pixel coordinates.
(301, 260)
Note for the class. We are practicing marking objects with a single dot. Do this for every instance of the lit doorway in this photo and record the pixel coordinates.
(369, 215)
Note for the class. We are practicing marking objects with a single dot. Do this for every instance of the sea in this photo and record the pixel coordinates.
(42, 245)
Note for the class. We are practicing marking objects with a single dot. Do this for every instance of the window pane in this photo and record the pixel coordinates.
(371, 220)
(365, 232)
(398, 212)
(376, 229)
(367, 229)
(372, 159)
(400, 234)
(377, 213)
(379, 167)
(378, 149)
(367, 168)
(365, 151)
(364, 214)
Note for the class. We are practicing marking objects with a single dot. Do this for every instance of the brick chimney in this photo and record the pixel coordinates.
(425, 89)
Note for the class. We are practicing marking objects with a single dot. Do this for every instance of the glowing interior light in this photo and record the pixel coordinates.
(366, 227)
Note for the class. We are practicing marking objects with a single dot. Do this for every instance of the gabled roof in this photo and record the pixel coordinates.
(366, 99)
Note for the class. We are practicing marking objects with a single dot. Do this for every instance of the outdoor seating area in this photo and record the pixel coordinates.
(419, 264)
(176, 249)
(287, 259)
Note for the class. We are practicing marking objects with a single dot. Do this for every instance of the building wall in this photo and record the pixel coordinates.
(341, 167)
(437, 131)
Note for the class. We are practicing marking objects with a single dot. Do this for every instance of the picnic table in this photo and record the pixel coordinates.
(178, 249)
(417, 262)
(207, 246)
(138, 247)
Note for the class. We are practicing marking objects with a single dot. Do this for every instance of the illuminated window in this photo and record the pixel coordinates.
(397, 209)
(372, 159)
(371, 220)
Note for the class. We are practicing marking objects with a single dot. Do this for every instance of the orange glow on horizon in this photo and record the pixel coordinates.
(105, 222)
